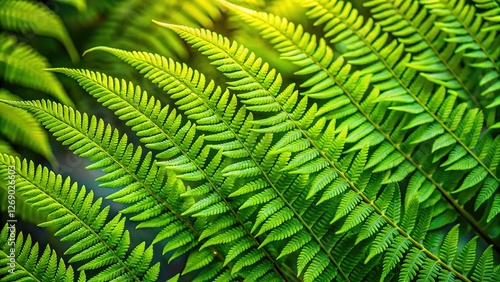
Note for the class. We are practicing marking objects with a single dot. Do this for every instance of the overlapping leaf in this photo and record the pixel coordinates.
(80, 219)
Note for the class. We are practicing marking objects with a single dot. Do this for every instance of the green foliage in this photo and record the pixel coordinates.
(22, 65)
(375, 157)
(102, 243)
(21, 128)
(32, 266)
(26, 16)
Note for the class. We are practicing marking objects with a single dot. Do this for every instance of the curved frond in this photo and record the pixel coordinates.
(28, 16)
(19, 127)
(179, 151)
(330, 78)
(478, 43)
(20, 64)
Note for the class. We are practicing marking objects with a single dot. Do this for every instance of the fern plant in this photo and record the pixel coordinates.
(22, 65)
(380, 161)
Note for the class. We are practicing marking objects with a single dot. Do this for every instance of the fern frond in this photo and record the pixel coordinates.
(27, 16)
(424, 114)
(155, 201)
(414, 26)
(478, 43)
(19, 127)
(179, 149)
(80, 219)
(233, 64)
(28, 262)
(330, 79)
(21, 64)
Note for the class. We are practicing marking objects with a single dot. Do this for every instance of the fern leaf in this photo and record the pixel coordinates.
(414, 26)
(449, 248)
(29, 264)
(23, 16)
(21, 128)
(465, 260)
(295, 45)
(20, 64)
(474, 38)
(85, 223)
(174, 142)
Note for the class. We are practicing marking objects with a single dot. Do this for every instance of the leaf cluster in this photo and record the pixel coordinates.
(379, 161)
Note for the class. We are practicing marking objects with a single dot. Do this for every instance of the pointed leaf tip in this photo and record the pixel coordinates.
(101, 48)
(156, 22)
(167, 25)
